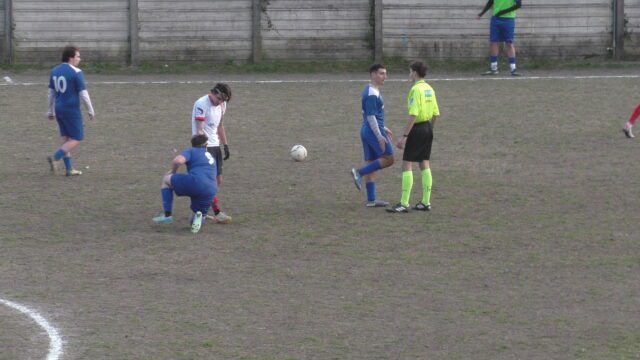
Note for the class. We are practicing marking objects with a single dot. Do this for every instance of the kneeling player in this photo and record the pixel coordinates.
(199, 183)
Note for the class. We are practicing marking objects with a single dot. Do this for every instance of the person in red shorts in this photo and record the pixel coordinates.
(632, 121)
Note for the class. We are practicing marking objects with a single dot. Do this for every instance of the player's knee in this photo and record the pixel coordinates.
(166, 181)
(387, 161)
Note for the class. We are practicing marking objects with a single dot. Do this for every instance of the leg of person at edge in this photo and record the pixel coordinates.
(627, 129)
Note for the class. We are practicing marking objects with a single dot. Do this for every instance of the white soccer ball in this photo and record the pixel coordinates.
(298, 153)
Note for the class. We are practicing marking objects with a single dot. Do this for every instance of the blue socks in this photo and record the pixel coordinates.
(493, 63)
(372, 167)
(67, 162)
(167, 201)
(512, 64)
(371, 191)
(58, 155)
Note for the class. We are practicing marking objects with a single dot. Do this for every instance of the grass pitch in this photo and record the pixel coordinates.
(531, 250)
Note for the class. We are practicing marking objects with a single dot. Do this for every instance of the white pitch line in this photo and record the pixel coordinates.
(308, 81)
(55, 342)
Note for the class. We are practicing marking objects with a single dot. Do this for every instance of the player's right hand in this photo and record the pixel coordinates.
(51, 117)
(382, 143)
(92, 117)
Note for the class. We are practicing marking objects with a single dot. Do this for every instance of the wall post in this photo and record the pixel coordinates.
(134, 27)
(256, 32)
(8, 32)
(377, 32)
(618, 29)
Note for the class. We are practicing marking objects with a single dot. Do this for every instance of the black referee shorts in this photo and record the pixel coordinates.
(217, 155)
(418, 145)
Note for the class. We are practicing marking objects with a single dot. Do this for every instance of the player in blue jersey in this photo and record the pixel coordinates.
(199, 183)
(376, 141)
(502, 29)
(66, 90)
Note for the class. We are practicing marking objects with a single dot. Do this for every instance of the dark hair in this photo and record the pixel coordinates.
(199, 141)
(375, 68)
(420, 68)
(69, 52)
(222, 89)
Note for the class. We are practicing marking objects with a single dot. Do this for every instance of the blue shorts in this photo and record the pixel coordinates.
(70, 125)
(371, 147)
(502, 29)
(200, 192)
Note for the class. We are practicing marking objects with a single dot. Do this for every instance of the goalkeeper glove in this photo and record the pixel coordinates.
(226, 152)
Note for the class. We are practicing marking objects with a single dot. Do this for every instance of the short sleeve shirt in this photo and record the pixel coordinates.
(205, 110)
(200, 164)
(499, 5)
(372, 104)
(67, 81)
(422, 102)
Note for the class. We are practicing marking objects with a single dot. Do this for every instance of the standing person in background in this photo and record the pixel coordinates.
(632, 121)
(378, 151)
(502, 29)
(207, 118)
(417, 138)
(66, 89)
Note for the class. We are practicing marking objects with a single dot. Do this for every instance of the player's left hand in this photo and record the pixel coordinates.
(92, 117)
(389, 133)
(400, 143)
(226, 152)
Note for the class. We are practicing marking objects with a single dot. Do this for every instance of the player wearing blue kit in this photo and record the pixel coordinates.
(66, 90)
(199, 183)
(502, 29)
(376, 142)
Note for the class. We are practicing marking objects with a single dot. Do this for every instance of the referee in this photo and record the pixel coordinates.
(417, 138)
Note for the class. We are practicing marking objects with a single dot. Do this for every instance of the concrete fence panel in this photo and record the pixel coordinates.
(3, 34)
(43, 28)
(632, 36)
(450, 29)
(317, 30)
(194, 31)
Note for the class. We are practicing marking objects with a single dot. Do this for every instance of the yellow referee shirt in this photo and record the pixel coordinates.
(422, 102)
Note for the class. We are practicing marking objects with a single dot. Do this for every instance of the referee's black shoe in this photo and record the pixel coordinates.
(398, 209)
(422, 207)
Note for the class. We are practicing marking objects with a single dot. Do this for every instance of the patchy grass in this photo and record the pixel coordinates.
(530, 251)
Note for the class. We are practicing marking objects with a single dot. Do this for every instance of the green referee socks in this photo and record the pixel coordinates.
(407, 184)
(427, 181)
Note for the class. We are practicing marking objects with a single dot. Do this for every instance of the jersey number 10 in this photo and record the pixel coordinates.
(60, 83)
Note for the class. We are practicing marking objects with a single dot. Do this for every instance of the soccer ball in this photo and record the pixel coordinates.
(298, 153)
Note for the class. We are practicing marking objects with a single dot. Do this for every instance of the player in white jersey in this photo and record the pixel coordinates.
(207, 118)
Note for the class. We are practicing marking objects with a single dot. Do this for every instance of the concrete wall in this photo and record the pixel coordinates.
(2, 34)
(223, 30)
(194, 30)
(632, 40)
(317, 30)
(544, 28)
(44, 27)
